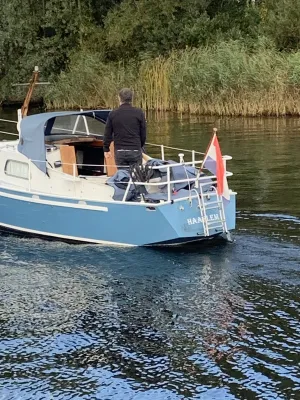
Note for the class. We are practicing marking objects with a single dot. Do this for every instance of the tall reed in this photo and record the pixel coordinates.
(227, 79)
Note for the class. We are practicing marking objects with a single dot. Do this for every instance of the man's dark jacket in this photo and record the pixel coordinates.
(126, 126)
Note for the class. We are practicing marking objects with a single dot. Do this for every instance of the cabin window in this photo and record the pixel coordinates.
(17, 169)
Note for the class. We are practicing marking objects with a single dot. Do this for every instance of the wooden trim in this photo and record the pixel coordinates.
(110, 163)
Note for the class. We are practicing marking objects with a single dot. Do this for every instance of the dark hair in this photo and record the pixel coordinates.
(126, 95)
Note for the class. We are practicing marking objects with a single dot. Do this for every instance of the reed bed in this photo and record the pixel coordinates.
(227, 79)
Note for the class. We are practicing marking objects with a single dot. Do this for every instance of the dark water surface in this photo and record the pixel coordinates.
(203, 322)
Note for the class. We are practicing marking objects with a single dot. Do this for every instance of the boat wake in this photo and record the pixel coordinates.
(279, 217)
(280, 226)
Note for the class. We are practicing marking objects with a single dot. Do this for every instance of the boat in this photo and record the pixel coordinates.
(56, 183)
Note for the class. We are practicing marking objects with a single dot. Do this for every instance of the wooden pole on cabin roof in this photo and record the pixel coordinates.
(33, 81)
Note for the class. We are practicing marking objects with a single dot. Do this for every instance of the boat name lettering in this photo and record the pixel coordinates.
(193, 221)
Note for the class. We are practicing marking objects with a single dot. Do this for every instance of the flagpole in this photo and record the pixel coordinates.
(215, 130)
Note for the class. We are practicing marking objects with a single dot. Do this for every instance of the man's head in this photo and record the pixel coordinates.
(125, 95)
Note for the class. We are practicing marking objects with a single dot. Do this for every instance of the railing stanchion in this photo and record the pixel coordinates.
(127, 190)
(169, 183)
(224, 162)
(162, 152)
(29, 173)
(193, 158)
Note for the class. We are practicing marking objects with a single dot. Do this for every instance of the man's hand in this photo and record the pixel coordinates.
(107, 154)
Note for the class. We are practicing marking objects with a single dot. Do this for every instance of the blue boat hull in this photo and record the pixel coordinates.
(108, 223)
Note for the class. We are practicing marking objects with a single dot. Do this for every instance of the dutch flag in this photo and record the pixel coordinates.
(214, 163)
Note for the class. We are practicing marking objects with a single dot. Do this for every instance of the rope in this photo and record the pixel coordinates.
(187, 176)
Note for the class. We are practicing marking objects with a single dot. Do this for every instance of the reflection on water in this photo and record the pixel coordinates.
(84, 321)
(209, 322)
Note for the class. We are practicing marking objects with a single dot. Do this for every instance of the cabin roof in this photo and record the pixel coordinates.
(34, 128)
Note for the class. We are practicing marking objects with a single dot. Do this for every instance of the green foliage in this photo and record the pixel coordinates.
(132, 29)
(18, 41)
(99, 9)
(44, 34)
(176, 54)
(223, 79)
(156, 27)
(281, 22)
(90, 82)
(224, 69)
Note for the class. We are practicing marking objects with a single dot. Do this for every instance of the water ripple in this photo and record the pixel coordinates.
(89, 322)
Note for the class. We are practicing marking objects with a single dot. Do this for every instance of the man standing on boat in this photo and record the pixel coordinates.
(126, 127)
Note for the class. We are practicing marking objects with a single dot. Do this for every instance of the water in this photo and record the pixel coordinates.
(205, 322)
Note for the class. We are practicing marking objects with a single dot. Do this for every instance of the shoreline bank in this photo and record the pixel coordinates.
(195, 110)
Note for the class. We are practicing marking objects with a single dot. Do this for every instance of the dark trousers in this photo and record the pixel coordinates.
(125, 158)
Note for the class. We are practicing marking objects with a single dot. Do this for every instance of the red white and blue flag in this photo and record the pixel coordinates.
(214, 163)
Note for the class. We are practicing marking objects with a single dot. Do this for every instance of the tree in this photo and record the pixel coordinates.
(156, 27)
(40, 33)
(281, 22)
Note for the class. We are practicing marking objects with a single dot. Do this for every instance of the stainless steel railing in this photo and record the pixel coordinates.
(198, 180)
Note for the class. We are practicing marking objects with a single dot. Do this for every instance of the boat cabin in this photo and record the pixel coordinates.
(73, 142)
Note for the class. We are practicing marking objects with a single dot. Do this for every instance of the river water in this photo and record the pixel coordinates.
(199, 322)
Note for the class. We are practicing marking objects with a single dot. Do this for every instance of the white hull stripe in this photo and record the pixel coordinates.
(36, 199)
(57, 196)
(18, 228)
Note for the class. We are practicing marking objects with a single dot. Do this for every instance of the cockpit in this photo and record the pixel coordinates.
(75, 146)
